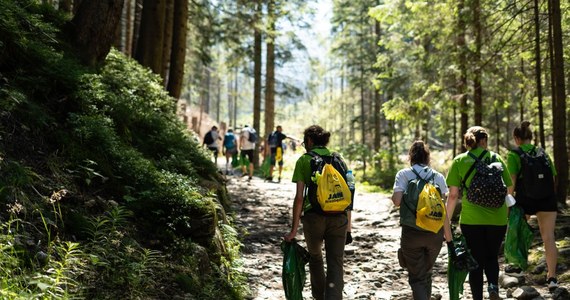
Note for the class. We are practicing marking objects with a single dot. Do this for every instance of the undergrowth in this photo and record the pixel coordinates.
(103, 193)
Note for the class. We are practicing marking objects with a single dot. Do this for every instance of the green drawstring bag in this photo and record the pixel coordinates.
(235, 160)
(265, 166)
(519, 238)
(295, 258)
(459, 266)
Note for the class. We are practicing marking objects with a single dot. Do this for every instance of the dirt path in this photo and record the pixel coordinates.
(371, 267)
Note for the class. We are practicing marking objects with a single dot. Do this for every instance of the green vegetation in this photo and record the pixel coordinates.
(104, 194)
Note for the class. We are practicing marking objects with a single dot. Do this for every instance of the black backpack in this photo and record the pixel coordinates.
(317, 163)
(535, 180)
(487, 187)
(208, 138)
(252, 137)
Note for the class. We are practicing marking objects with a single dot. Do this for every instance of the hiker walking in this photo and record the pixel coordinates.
(229, 147)
(482, 223)
(247, 139)
(275, 149)
(319, 226)
(419, 247)
(211, 141)
(533, 172)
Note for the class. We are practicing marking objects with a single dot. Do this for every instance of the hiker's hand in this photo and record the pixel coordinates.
(291, 236)
(348, 238)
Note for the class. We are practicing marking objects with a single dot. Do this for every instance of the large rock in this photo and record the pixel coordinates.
(526, 293)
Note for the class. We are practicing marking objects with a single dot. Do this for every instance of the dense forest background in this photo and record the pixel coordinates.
(107, 195)
(377, 74)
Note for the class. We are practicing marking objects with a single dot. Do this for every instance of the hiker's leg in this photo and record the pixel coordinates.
(314, 229)
(546, 223)
(335, 237)
(475, 238)
(417, 254)
(494, 238)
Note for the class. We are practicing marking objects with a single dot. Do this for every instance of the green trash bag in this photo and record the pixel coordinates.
(519, 238)
(265, 166)
(458, 267)
(235, 160)
(295, 258)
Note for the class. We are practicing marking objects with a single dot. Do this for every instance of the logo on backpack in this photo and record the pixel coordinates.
(328, 192)
(535, 180)
(487, 187)
(425, 196)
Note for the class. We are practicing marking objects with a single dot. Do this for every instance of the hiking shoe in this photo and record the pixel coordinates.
(279, 179)
(494, 292)
(552, 283)
(494, 296)
(244, 174)
(249, 178)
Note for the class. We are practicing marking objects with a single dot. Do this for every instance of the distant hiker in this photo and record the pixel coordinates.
(211, 141)
(318, 225)
(275, 149)
(483, 225)
(533, 172)
(247, 140)
(419, 247)
(229, 147)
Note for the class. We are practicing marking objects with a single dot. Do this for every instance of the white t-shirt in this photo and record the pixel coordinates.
(245, 144)
(405, 175)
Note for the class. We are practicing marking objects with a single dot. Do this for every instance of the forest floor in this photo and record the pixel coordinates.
(263, 216)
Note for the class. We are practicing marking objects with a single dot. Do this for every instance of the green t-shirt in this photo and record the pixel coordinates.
(302, 172)
(514, 160)
(472, 214)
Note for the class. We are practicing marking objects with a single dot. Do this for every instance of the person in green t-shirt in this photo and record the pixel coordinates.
(319, 228)
(483, 227)
(545, 208)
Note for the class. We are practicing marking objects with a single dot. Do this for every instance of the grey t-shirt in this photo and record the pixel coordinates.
(405, 175)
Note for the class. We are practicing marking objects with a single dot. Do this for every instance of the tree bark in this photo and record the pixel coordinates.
(257, 73)
(151, 35)
(462, 83)
(178, 53)
(93, 27)
(137, 16)
(538, 73)
(66, 5)
(167, 40)
(270, 70)
(559, 102)
(477, 88)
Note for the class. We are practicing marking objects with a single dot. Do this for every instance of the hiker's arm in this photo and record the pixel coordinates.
(297, 209)
(511, 189)
(397, 198)
(452, 200)
(447, 226)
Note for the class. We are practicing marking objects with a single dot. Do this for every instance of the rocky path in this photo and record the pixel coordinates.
(263, 214)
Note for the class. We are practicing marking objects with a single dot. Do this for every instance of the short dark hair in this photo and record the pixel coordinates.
(419, 153)
(317, 134)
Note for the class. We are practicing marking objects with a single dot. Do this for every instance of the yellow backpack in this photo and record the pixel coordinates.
(328, 192)
(424, 195)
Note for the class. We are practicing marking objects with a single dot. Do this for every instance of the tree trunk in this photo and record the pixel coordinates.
(137, 15)
(559, 102)
(65, 5)
(257, 74)
(151, 35)
(129, 27)
(92, 29)
(377, 98)
(178, 53)
(477, 88)
(167, 40)
(462, 83)
(270, 70)
(538, 73)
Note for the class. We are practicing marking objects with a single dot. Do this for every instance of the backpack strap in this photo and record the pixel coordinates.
(430, 179)
(477, 159)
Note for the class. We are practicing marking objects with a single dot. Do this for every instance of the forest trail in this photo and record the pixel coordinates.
(263, 215)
